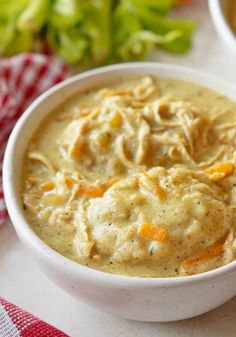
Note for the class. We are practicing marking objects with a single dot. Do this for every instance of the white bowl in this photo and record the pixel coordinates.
(221, 23)
(146, 299)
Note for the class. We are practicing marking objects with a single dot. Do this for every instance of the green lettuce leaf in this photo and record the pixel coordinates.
(21, 43)
(142, 25)
(70, 44)
(11, 8)
(93, 32)
(140, 43)
(65, 13)
(7, 31)
(34, 15)
(97, 26)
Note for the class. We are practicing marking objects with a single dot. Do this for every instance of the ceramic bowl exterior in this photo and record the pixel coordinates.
(222, 27)
(145, 299)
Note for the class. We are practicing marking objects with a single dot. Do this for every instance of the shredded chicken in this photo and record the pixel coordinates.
(175, 125)
(125, 161)
(34, 155)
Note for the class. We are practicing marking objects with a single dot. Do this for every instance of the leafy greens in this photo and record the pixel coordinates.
(92, 32)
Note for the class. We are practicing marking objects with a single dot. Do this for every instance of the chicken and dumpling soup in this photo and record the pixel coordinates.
(137, 179)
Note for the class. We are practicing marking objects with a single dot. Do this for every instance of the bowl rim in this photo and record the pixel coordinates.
(221, 24)
(55, 259)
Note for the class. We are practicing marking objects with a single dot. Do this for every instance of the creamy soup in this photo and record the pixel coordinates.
(136, 179)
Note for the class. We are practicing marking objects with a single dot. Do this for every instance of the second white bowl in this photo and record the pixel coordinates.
(221, 23)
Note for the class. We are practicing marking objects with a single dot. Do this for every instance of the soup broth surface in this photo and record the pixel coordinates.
(136, 179)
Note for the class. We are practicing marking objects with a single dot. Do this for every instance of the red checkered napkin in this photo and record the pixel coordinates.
(22, 78)
(14, 322)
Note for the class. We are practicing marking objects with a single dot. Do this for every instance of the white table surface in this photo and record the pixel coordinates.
(23, 284)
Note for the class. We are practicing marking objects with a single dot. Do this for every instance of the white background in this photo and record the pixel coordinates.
(23, 284)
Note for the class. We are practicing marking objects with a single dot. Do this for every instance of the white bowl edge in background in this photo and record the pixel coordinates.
(221, 24)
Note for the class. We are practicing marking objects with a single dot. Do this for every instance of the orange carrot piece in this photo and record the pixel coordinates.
(220, 171)
(207, 254)
(68, 181)
(153, 232)
(90, 191)
(159, 191)
(48, 186)
(116, 120)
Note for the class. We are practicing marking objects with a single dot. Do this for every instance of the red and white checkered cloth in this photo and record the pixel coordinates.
(23, 78)
(15, 322)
